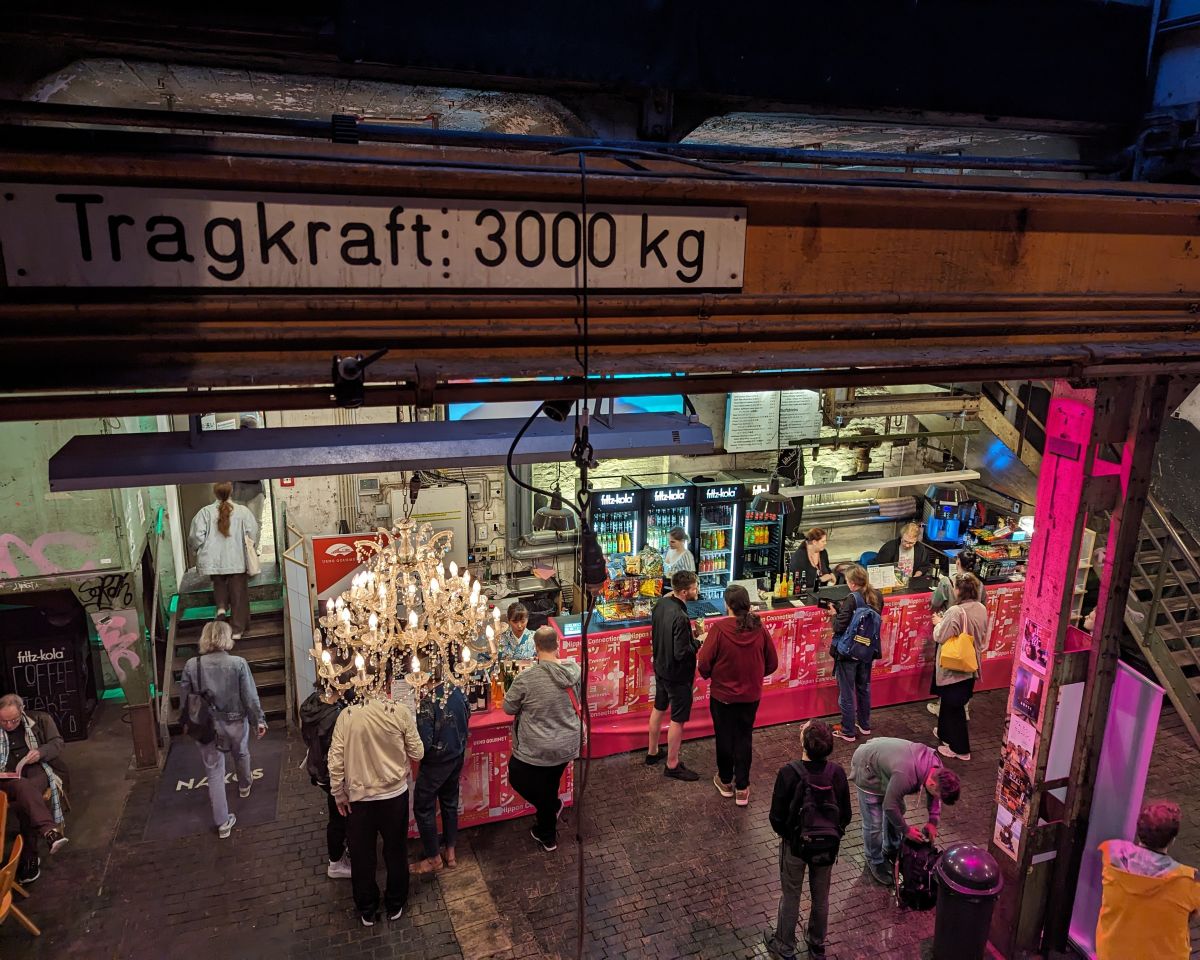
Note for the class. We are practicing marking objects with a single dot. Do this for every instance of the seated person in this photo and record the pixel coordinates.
(516, 641)
(32, 737)
(810, 564)
(906, 553)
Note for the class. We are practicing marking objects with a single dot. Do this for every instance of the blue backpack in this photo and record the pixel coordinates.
(860, 640)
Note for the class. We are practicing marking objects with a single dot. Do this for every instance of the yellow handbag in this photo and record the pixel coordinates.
(958, 654)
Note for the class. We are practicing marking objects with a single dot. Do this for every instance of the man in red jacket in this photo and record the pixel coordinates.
(737, 653)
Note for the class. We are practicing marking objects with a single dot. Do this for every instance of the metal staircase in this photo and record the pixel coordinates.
(1163, 612)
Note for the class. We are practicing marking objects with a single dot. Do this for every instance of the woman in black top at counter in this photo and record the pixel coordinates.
(906, 553)
(810, 563)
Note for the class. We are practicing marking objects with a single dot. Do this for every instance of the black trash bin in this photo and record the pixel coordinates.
(970, 882)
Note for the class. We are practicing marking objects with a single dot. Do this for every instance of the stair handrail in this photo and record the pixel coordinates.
(164, 707)
(1169, 527)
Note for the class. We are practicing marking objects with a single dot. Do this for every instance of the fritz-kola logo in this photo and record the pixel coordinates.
(37, 656)
(669, 496)
(339, 550)
(722, 493)
(615, 499)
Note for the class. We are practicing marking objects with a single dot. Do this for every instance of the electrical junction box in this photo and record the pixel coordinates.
(383, 511)
(496, 492)
(368, 485)
(481, 532)
(474, 491)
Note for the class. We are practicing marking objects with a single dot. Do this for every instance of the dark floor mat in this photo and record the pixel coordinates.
(181, 807)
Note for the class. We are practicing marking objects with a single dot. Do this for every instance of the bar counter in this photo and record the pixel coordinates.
(621, 674)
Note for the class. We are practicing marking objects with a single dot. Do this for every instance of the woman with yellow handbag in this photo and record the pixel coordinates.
(959, 635)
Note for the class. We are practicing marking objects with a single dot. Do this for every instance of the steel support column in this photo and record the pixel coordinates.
(1099, 451)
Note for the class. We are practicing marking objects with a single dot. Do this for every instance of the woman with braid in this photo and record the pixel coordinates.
(218, 536)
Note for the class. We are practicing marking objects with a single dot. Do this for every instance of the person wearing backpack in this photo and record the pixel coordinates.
(317, 719)
(810, 810)
(886, 771)
(737, 653)
(952, 683)
(218, 699)
(442, 717)
(856, 646)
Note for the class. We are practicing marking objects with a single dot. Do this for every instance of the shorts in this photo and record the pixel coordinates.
(677, 693)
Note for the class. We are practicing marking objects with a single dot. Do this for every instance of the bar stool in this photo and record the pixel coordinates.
(8, 880)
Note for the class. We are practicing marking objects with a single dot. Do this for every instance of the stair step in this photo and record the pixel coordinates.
(274, 706)
(264, 681)
(258, 658)
(1173, 633)
(263, 625)
(1185, 658)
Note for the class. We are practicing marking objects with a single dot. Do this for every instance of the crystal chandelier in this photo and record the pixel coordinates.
(406, 616)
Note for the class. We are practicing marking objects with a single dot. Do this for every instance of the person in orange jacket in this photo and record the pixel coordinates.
(1147, 897)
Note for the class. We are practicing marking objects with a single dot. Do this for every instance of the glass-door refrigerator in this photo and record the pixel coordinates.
(617, 515)
(668, 501)
(719, 505)
(762, 532)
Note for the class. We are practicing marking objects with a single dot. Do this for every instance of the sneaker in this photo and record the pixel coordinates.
(773, 947)
(724, 789)
(221, 611)
(548, 847)
(397, 915)
(865, 731)
(368, 919)
(936, 736)
(55, 840)
(237, 636)
(743, 797)
(653, 758)
(945, 751)
(680, 773)
(934, 707)
(29, 870)
(339, 869)
(225, 829)
(967, 710)
(244, 792)
(881, 874)
(842, 735)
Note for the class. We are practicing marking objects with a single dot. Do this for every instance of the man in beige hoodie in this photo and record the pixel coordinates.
(374, 743)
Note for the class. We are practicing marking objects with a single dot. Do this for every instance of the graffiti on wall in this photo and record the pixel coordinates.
(62, 551)
(118, 631)
(110, 592)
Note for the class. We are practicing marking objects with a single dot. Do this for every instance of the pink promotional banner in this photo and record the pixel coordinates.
(621, 672)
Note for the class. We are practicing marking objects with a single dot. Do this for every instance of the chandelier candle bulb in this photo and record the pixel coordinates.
(453, 569)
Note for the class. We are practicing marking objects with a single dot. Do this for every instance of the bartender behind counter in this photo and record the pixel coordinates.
(907, 553)
(678, 557)
(810, 563)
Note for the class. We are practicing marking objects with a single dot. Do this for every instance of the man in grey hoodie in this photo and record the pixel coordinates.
(886, 770)
(546, 732)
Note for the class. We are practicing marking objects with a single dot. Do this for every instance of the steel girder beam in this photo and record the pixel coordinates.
(849, 278)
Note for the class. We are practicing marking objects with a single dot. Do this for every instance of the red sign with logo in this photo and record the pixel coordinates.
(335, 561)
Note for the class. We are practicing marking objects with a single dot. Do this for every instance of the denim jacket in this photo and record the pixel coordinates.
(215, 552)
(228, 679)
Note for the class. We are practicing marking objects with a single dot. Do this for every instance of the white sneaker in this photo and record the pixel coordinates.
(397, 915)
(935, 707)
(244, 792)
(237, 636)
(339, 869)
(225, 829)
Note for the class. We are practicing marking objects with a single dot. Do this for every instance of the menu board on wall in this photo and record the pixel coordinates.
(770, 419)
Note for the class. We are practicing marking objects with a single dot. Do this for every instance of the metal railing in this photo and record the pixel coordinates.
(1163, 563)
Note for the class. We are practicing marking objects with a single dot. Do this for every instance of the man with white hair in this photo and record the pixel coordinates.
(227, 682)
(30, 758)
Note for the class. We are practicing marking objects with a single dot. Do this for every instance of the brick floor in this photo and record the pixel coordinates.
(674, 870)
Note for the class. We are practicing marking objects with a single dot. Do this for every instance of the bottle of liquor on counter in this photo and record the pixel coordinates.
(497, 690)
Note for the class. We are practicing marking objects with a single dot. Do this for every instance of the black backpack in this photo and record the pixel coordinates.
(317, 719)
(196, 715)
(916, 884)
(814, 820)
